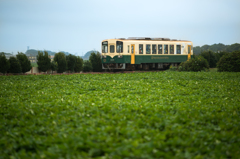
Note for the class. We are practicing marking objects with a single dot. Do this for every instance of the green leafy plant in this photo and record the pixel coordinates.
(133, 115)
(194, 64)
(172, 68)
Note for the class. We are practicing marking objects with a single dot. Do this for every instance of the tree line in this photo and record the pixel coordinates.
(216, 48)
(61, 63)
(18, 64)
(70, 63)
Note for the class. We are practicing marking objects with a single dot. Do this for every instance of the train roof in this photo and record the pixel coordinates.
(147, 39)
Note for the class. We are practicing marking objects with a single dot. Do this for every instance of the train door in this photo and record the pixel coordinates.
(189, 51)
(132, 53)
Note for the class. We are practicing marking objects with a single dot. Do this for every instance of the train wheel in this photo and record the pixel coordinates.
(145, 67)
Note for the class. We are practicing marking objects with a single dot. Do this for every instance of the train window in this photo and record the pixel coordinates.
(119, 47)
(105, 47)
(148, 49)
(165, 49)
(112, 49)
(178, 49)
(154, 49)
(160, 49)
(171, 49)
(140, 48)
(128, 48)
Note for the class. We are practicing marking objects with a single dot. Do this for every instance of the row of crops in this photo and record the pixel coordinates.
(138, 115)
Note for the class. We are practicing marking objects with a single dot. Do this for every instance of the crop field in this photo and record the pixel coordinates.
(134, 115)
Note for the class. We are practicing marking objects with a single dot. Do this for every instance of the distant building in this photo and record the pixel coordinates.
(32, 58)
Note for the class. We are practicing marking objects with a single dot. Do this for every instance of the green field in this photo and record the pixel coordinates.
(135, 115)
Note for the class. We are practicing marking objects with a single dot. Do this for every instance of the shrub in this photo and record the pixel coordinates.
(87, 66)
(229, 62)
(172, 68)
(194, 64)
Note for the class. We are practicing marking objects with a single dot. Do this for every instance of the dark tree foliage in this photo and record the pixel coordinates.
(229, 62)
(96, 62)
(71, 62)
(219, 55)
(4, 63)
(87, 66)
(79, 64)
(15, 66)
(210, 57)
(24, 62)
(43, 61)
(194, 64)
(61, 61)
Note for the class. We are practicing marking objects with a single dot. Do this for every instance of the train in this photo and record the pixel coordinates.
(144, 53)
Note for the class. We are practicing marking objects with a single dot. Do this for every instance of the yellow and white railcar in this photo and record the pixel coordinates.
(144, 53)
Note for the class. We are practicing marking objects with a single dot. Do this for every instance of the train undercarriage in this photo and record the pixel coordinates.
(143, 66)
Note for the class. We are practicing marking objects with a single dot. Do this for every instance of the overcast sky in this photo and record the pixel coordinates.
(78, 26)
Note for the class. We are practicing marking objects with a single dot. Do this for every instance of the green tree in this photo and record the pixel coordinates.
(229, 62)
(4, 63)
(71, 62)
(24, 62)
(95, 59)
(210, 57)
(87, 66)
(79, 64)
(43, 61)
(15, 66)
(61, 61)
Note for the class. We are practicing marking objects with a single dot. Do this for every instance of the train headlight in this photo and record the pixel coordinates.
(119, 56)
(104, 56)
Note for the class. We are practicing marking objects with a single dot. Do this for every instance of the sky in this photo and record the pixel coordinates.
(78, 26)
